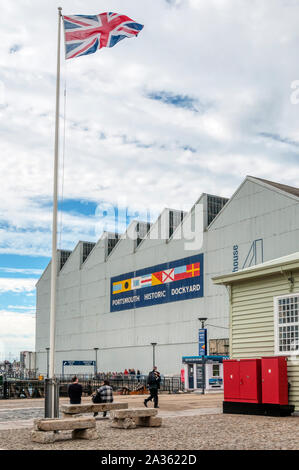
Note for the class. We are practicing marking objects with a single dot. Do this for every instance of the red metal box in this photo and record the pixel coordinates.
(231, 380)
(250, 381)
(242, 380)
(275, 380)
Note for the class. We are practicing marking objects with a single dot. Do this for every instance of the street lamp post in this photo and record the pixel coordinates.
(96, 364)
(202, 320)
(154, 359)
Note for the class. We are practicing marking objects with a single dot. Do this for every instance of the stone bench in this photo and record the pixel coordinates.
(47, 430)
(70, 411)
(133, 417)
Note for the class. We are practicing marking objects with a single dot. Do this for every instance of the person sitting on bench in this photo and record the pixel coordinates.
(104, 395)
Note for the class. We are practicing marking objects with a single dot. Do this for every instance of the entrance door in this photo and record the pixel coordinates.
(200, 375)
(191, 375)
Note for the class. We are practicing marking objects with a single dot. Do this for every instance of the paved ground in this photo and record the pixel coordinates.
(21, 412)
(190, 422)
(182, 401)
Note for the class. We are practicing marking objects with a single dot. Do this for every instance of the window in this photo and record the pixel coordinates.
(219, 347)
(286, 311)
(142, 229)
(175, 218)
(112, 242)
(215, 204)
(216, 370)
(87, 248)
(64, 254)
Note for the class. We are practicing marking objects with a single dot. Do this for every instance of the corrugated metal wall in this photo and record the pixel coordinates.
(252, 322)
(83, 317)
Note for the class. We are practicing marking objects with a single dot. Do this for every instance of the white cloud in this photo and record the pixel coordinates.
(28, 309)
(236, 59)
(17, 285)
(21, 271)
(17, 333)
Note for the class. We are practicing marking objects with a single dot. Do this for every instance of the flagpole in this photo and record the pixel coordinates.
(54, 230)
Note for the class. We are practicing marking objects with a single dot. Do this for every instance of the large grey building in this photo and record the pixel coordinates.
(125, 292)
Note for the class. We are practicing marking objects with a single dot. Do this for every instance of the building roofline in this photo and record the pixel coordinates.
(72, 252)
(278, 265)
(228, 202)
(43, 273)
(289, 191)
(122, 236)
(153, 225)
(277, 187)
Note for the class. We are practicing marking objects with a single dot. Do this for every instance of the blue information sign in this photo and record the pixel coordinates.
(78, 363)
(202, 341)
(169, 282)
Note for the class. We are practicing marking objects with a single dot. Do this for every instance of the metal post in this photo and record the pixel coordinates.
(203, 362)
(30, 365)
(96, 364)
(5, 388)
(51, 399)
(47, 398)
(154, 359)
(52, 387)
(203, 383)
(47, 349)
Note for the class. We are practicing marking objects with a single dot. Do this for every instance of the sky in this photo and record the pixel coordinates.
(198, 101)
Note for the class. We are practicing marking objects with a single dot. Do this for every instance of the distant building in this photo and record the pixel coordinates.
(122, 294)
(27, 361)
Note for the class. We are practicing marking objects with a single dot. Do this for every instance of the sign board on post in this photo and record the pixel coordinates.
(77, 363)
(202, 341)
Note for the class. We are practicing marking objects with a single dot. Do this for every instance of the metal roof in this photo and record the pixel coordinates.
(282, 187)
(269, 267)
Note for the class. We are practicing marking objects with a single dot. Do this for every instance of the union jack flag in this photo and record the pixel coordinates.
(85, 34)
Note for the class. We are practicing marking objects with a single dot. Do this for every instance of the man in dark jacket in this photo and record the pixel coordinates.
(75, 391)
(153, 381)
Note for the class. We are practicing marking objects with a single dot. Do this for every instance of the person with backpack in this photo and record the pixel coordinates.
(104, 395)
(153, 382)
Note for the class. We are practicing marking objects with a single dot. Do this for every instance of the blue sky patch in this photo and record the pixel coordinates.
(78, 206)
(180, 101)
(22, 262)
(15, 48)
(279, 138)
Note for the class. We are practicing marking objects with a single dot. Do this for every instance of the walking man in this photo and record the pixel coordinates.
(104, 395)
(153, 382)
(75, 391)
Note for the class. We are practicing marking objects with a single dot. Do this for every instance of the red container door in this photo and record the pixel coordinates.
(275, 380)
(231, 380)
(250, 380)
